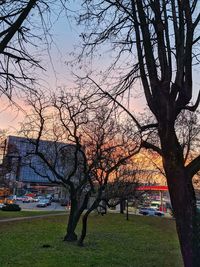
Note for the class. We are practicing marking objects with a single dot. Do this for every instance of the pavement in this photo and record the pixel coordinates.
(33, 206)
(30, 217)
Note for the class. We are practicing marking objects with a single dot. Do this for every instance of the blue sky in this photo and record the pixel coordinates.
(66, 43)
(54, 58)
(57, 73)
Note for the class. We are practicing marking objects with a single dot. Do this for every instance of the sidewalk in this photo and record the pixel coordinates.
(30, 217)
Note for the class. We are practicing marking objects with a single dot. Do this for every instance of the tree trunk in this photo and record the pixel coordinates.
(77, 209)
(72, 222)
(196, 239)
(84, 228)
(187, 220)
(122, 206)
(183, 199)
(84, 222)
(104, 207)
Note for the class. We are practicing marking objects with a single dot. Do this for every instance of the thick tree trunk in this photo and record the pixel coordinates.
(72, 222)
(183, 199)
(77, 209)
(196, 240)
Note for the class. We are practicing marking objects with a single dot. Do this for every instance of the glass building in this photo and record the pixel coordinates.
(24, 165)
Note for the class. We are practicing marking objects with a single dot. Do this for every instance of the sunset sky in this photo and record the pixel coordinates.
(59, 73)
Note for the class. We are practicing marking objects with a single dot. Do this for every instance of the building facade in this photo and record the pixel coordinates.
(28, 172)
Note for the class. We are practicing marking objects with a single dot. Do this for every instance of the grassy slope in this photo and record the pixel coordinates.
(111, 241)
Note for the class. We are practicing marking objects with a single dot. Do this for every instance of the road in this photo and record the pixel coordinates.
(57, 207)
(33, 206)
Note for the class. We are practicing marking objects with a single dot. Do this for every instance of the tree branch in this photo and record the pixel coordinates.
(140, 127)
(193, 167)
(195, 106)
(148, 145)
(16, 25)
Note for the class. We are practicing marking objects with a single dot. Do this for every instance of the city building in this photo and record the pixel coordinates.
(26, 171)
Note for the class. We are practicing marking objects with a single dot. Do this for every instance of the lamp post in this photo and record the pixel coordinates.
(127, 214)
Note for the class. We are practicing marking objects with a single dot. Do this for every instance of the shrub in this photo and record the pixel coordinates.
(11, 207)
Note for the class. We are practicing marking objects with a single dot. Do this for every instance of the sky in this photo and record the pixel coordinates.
(56, 59)
(58, 71)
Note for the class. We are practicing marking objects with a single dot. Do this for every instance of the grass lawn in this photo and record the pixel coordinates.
(111, 241)
(14, 214)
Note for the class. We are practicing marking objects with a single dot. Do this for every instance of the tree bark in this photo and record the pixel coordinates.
(77, 209)
(84, 222)
(187, 220)
(72, 222)
(122, 206)
(182, 197)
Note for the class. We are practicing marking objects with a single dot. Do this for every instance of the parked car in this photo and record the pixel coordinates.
(41, 198)
(151, 212)
(55, 199)
(30, 195)
(27, 199)
(11, 207)
(64, 202)
(48, 201)
(42, 203)
(35, 199)
(20, 198)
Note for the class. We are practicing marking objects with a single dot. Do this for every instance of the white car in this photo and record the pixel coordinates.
(151, 212)
(27, 199)
(42, 203)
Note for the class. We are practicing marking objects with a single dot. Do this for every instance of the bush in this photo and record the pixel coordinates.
(11, 207)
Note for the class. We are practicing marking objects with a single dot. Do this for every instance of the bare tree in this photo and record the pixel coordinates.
(115, 184)
(110, 147)
(123, 188)
(23, 25)
(161, 39)
(188, 132)
(98, 145)
(62, 159)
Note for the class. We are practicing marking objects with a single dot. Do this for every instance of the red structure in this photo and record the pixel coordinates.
(152, 188)
(159, 188)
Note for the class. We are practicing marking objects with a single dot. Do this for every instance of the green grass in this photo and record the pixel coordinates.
(111, 241)
(15, 214)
